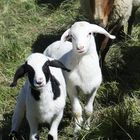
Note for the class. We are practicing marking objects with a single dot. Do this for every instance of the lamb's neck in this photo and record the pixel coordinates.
(76, 58)
(42, 93)
(86, 60)
(92, 47)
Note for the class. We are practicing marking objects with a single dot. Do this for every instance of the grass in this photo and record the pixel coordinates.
(27, 25)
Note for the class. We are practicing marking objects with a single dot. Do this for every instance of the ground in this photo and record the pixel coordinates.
(29, 25)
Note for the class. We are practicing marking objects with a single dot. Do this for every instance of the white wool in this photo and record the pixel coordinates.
(46, 109)
(82, 58)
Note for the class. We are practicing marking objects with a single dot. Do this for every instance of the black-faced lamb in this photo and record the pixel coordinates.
(42, 98)
(82, 58)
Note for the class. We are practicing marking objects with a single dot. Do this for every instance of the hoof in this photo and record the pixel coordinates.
(13, 136)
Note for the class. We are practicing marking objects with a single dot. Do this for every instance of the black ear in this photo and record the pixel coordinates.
(58, 64)
(20, 72)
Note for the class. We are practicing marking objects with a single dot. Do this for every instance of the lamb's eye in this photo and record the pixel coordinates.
(90, 33)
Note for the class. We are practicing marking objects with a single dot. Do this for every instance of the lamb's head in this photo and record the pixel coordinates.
(37, 69)
(81, 34)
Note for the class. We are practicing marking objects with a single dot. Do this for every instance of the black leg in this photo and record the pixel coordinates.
(50, 137)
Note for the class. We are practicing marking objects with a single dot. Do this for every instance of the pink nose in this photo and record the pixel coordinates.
(80, 48)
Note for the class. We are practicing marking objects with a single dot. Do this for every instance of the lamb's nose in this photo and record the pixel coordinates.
(80, 47)
(39, 81)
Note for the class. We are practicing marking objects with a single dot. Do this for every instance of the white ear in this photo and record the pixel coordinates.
(97, 29)
(65, 35)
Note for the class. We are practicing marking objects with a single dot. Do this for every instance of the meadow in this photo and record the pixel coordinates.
(31, 25)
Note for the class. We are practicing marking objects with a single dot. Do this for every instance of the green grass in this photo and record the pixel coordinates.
(27, 25)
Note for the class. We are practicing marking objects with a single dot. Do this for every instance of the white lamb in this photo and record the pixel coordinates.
(42, 97)
(82, 58)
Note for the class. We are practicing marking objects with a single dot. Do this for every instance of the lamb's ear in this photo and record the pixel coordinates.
(58, 64)
(97, 29)
(20, 72)
(66, 35)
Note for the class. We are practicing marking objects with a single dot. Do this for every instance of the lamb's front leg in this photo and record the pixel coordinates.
(18, 115)
(53, 133)
(89, 108)
(76, 108)
(33, 127)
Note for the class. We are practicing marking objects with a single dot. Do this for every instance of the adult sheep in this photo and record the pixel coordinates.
(113, 15)
(109, 12)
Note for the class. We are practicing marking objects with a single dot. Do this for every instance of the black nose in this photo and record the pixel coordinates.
(39, 82)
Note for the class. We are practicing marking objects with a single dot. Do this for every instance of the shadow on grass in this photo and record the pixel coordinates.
(137, 17)
(54, 3)
(128, 73)
(121, 76)
(6, 126)
(43, 41)
(131, 72)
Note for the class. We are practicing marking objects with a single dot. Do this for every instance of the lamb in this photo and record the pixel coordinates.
(82, 58)
(42, 97)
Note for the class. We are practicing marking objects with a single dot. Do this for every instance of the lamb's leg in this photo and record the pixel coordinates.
(89, 108)
(131, 20)
(76, 108)
(19, 113)
(33, 127)
(53, 133)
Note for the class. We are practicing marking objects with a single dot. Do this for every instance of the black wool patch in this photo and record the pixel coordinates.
(54, 82)
(46, 71)
(31, 74)
(55, 87)
(35, 94)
